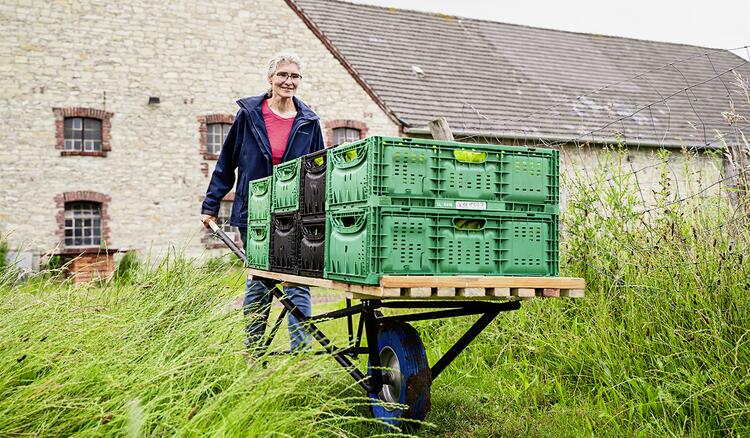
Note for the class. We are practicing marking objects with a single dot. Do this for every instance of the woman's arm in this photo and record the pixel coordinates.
(222, 179)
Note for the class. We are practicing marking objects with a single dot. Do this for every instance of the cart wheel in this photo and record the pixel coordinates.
(406, 376)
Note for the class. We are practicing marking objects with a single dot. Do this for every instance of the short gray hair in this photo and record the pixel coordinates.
(283, 58)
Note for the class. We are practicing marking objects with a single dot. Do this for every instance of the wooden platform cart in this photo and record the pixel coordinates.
(398, 372)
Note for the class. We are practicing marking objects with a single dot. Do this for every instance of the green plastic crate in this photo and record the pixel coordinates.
(286, 186)
(257, 250)
(364, 243)
(259, 199)
(381, 171)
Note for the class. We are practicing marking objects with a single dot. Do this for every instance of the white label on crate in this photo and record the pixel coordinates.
(471, 205)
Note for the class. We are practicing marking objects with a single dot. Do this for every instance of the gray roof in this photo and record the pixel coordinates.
(515, 81)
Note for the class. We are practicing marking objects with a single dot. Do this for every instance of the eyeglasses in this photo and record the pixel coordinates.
(284, 76)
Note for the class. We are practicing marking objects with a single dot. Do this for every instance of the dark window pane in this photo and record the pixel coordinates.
(73, 132)
(82, 134)
(73, 123)
(92, 128)
(344, 135)
(92, 135)
(216, 134)
(82, 223)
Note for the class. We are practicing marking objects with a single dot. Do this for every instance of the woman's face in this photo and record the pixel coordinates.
(285, 81)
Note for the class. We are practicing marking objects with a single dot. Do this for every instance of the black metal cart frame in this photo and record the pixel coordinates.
(369, 321)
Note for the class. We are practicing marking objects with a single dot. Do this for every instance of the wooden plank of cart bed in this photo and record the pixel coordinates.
(371, 291)
(395, 286)
(474, 281)
(472, 287)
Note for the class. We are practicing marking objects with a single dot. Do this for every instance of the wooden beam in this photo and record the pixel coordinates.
(471, 281)
(523, 292)
(450, 287)
(440, 130)
(289, 278)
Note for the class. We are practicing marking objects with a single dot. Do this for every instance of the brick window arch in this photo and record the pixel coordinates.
(82, 219)
(343, 124)
(212, 129)
(83, 122)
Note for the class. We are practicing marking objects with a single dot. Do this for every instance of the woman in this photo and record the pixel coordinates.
(268, 129)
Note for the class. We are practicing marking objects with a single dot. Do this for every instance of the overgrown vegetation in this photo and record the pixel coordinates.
(3, 255)
(660, 346)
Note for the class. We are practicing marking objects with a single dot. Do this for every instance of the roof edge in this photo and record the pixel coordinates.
(340, 57)
(528, 26)
(469, 133)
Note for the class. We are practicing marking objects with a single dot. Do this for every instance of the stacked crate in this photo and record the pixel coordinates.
(402, 206)
(259, 222)
(312, 220)
(284, 234)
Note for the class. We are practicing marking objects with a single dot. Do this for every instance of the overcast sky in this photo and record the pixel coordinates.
(721, 24)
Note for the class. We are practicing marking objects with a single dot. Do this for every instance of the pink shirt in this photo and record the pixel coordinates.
(278, 129)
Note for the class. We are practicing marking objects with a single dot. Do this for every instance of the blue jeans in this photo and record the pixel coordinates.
(257, 305)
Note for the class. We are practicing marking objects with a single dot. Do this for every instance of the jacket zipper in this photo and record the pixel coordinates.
(291, 138)
(260, 137)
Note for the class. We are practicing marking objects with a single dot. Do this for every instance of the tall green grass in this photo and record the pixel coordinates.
(660, 346)
(158, 355)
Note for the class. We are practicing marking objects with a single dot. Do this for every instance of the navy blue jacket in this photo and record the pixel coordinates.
(248, 150)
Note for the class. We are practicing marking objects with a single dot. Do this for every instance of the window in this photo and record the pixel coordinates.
(83, 131)
(83, 224)
(345, 135)
(217, 132)
(344, 131)
(212, 130)
(83, 134)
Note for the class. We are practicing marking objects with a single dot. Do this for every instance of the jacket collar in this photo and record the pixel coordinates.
(253, 104)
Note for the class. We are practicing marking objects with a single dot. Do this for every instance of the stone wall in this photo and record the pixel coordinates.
(198, 57)
(648, 171)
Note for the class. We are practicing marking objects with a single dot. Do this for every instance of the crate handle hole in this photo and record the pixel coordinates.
(470, 157)
(469, 224)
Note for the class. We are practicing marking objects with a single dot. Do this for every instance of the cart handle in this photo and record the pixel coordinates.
(227, 241)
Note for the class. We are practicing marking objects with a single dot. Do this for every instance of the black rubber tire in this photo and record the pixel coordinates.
(399, 342)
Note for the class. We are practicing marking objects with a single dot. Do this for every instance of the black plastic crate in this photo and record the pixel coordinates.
(313, 183)
(284, 244)
(312, 246)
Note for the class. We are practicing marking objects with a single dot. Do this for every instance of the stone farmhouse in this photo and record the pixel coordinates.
(115, 112)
